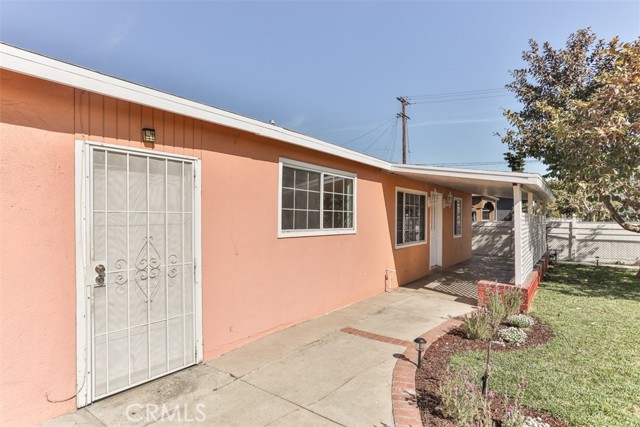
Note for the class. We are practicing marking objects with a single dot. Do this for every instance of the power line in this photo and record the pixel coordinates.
(368, 133)
(457, 99)
(380, 136)
(460, 93)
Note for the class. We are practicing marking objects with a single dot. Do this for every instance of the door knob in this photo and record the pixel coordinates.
(101, 275)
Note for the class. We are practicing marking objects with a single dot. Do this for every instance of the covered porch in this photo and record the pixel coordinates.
(461, 280)
(524, 265)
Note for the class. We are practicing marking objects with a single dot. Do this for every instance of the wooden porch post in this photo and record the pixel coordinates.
(517, 232)
(530, 203)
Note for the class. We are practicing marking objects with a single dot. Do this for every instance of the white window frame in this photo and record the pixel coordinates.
(426, 227)
(319, 169)
(455, 200)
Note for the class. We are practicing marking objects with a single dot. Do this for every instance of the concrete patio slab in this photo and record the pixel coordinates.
(373, 409)
(172, 390)
(241, 361)
(410, 317)
(235, 405)
(81, 418)
(302, 417)
(311, 374)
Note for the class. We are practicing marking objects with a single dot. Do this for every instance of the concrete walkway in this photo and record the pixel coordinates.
(335, 370)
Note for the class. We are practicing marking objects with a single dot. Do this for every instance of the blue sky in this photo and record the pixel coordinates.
(328, 69)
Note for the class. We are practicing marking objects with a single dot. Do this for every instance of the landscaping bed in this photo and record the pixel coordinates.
(582, 368)
(435, 368)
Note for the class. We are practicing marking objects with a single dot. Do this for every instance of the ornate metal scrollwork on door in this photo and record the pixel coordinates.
(147, 267)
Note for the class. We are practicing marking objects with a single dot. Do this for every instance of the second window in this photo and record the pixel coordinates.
(410, 217)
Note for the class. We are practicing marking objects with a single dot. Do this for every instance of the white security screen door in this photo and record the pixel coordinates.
(435, 241)
(141, 267)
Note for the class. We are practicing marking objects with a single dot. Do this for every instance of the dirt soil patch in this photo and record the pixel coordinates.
(435, 367)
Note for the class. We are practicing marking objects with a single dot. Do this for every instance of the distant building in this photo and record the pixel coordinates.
(488, 208)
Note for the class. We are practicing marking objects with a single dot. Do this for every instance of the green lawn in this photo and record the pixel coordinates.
(589, 375)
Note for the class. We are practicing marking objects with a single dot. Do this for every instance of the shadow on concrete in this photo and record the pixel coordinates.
(461, 280)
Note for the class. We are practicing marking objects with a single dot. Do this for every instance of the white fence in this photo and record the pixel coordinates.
(584, 241)
(574, 241)
(493, 238)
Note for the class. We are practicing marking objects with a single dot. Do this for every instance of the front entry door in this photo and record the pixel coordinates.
(140, 272)
(435, 239)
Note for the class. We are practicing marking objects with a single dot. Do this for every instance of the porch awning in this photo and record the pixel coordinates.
(490, 183)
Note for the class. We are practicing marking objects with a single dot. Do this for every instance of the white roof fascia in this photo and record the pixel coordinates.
(530, 181)
(32, 64)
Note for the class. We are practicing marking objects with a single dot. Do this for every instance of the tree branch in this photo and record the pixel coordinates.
(617, 218)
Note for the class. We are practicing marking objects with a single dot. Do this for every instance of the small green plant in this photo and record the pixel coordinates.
(460, 399)
(513, 416)
(512, 335)
(495, 310)
(476, 326)
(520, 321)
(512, 300)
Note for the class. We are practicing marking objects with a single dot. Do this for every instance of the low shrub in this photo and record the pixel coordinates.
(476, 326)
(512, 335)
(460, 399)
(494, 304)
(520, 321)
(512, 300)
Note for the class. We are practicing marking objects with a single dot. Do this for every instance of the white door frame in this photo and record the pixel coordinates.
(84, 373)
(435, 228)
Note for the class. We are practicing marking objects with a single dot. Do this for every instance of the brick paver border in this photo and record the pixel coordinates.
(403, 384)
(376, 337)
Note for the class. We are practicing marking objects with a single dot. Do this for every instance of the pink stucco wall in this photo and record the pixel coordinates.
(253, 282)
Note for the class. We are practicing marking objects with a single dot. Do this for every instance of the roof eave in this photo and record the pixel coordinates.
(529, 181)
(32, 64)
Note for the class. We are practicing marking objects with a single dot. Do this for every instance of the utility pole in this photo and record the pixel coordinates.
(404, 117)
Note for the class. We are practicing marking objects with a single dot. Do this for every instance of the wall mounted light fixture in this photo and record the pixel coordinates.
(448, 201)
(148, 135)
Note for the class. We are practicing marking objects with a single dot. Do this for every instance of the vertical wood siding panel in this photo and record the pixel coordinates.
(159, 119)
(122, 132)
(96, 116)
(160, 125)
(110, 120)
(178, 141)
(82, 114)
(189, 125)
(197, 138)
(169, 132)
(135, 125)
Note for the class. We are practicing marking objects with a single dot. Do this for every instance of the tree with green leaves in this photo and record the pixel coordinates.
(581, 116)
(515, 161)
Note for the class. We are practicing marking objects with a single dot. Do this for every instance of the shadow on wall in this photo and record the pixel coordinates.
(603, 242)
(493, 239)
